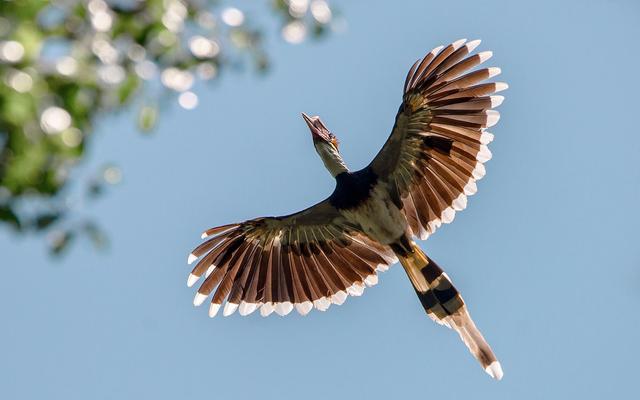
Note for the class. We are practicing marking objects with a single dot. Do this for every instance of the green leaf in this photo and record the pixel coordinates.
(9, 216)
(147, 118)
(91, 72)
(24, 169)
(129, 87)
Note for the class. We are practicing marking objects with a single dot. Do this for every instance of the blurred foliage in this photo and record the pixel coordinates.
(64, 63)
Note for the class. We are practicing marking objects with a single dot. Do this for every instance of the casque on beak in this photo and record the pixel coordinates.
(317, 126)
(309, 122)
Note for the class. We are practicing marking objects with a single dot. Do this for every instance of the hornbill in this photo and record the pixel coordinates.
(419, 179)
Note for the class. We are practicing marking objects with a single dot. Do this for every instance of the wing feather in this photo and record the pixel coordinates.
(303, 260)
(438, 145)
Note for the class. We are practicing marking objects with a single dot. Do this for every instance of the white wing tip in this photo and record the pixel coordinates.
(479, 171)
(204, 235)
(192, 258)
(356, 289)
(304, 307)
(492, 117)
(284, 308)
(266, 309)
(486, 137)
(460, 202)
(322, 303)
(448, 215)
(213, 309)
(229, 309)
(470, 188)
(371, 280)
(247, 308)
(437, 50)
(199, 299)
(458, 43)
(495, 370)
(484, 154)
(485, 55)
(496, 101)
(339, 297)
(473, 44)
(494, 71)
(192, 280)
(500, 86)
(382, 267)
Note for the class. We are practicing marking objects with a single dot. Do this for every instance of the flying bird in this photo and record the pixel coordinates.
(423, 174)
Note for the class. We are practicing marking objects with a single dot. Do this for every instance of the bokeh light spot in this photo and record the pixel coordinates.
(188, 100)
(55, 120)
(19, 81)
(11, 51)
(232, 16)
(294, 32)
(321, 11)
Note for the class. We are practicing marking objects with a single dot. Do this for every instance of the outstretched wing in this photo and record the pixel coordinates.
(438, 145)
(311, 258)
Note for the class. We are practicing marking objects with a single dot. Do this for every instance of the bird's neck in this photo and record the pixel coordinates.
(332, 159)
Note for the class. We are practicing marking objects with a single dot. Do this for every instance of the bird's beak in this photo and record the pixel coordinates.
(309, 122)
(315, 132)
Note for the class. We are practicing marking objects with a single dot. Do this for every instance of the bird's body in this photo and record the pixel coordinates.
(376, 214)
(419, 179)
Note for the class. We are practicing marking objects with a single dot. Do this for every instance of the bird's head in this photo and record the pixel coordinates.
(326, 145)
(319, 132)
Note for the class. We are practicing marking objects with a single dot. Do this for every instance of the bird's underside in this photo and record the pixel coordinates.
(419, 179)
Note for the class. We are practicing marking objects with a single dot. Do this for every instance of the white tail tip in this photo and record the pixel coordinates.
(495, 370)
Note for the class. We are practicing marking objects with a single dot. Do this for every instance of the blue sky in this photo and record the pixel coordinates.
(546, 253)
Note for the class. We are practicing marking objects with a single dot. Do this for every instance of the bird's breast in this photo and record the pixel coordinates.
(378, 216)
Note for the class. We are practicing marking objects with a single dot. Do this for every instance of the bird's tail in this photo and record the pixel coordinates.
(443, 303)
